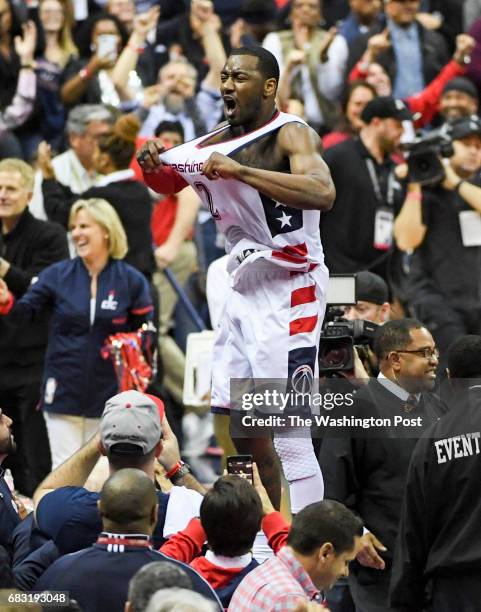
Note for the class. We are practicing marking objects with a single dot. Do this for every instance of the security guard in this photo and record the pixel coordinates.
(439, 541)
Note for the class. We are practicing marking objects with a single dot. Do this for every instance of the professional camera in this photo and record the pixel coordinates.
(338, 339)
(424, 164)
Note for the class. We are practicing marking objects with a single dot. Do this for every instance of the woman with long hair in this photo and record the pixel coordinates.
(92, 296)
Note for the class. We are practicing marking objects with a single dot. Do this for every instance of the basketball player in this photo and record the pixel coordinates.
(265, 182)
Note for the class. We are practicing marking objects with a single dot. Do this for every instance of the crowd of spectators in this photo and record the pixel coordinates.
(85, 247)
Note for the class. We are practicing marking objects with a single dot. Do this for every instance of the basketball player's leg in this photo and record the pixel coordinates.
(286, 348)
(230, 361)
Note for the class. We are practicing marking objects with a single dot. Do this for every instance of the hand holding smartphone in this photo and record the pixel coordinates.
(107, 46)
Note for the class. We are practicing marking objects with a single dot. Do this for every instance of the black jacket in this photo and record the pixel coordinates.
(434, 53)
(439, 533)
(132, 202)
(368, 474)
(29, 248)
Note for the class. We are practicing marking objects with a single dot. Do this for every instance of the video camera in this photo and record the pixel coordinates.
(339, 336)
(424, 164)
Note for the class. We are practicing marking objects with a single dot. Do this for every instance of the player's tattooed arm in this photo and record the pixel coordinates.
(308, 187)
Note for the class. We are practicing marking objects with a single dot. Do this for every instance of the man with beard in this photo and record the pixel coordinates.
(176, 100)
(263, 178)
(357, 233)
(9, 514)
(367, 472)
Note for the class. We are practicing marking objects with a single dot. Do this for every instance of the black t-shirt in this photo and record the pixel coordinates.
(347, 230)
(442, 266)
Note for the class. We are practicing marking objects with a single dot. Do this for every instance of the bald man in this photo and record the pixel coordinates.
(128, 507)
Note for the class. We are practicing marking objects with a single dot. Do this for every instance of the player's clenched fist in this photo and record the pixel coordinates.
(221, 166)
(148, 156)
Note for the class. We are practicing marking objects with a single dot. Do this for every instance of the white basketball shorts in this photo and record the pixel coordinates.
(270, 328)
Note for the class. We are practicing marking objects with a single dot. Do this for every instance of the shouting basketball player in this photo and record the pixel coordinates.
(262, 175)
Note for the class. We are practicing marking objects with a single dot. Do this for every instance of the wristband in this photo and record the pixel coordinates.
(173, 471)
(27, 65)
(135, 49)
(414, 195)
(85, 74)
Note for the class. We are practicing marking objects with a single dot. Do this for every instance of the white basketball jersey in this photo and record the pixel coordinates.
(255, 226)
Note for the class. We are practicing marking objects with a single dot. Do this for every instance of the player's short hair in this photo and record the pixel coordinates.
(12, 164)
(231, 515)
(394, 335)
(267, 63)
(324, 521)
(464, 357)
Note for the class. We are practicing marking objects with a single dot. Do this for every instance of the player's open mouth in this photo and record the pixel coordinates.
(230, 105)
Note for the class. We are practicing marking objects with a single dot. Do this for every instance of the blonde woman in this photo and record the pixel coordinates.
(90, 297)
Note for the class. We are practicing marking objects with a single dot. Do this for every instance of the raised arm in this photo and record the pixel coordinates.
(157, 176)
(309, 186)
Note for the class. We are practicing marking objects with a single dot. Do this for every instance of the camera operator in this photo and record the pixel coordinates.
(372, 304)
(372, 299)
(441, 224)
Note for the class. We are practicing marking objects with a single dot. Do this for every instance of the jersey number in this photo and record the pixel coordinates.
(203, 189)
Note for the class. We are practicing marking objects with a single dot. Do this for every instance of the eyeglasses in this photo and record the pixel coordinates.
(427, 352)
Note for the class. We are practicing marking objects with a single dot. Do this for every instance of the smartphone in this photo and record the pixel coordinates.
(107, 46)
(241, 465)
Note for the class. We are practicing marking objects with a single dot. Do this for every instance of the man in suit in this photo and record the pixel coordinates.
(368, 473)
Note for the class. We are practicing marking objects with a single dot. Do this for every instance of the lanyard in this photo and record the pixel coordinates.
(377, 188)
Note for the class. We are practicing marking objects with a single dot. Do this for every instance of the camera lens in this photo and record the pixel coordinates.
(336, 358)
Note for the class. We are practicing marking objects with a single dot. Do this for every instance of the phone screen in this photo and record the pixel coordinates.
(241, 465)
(107, 46)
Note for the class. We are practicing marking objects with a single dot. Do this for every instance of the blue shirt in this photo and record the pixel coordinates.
(406, 44)
(70, 517)
(98, 577)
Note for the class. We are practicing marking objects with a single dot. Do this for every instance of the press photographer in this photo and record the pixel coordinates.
(442, 224)
(346, 341)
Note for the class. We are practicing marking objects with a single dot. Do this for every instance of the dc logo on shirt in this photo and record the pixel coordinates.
(109, 303)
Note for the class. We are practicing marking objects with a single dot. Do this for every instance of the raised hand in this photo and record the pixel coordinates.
(44, 160)
(378, 43)
(144, 23)
(464, 47)
(25, 44)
